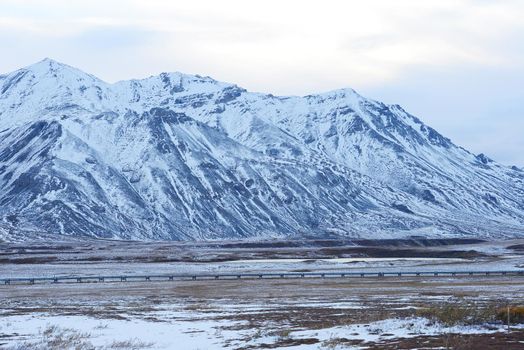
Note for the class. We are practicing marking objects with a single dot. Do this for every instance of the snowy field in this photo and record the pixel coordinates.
(310, 314)
(38, 331)
(362, 313)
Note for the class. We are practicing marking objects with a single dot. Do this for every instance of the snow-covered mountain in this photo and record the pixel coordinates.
(178, 156)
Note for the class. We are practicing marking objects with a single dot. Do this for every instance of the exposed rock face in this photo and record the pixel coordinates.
(177, 156)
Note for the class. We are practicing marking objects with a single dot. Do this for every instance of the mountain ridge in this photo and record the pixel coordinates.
(178, 156)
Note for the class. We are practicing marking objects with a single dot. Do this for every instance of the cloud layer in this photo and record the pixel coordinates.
(456, 64)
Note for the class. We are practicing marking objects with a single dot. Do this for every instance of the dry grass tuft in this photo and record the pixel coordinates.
(516, 314)
(56, 338)
(131, 344)
(461, 313)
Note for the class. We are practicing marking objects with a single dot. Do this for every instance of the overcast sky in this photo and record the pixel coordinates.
(456, 64)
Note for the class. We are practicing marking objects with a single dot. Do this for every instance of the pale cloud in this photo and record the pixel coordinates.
(381, 47)
(309, 34)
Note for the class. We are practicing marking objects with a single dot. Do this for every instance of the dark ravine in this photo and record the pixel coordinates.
(182, 157)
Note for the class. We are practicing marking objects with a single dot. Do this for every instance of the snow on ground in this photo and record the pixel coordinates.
(183, 331)
(164, 335)
(393, 328)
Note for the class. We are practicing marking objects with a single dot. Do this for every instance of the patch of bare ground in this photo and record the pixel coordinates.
(486, 341)
(274, 289)
(294, 317)
(283, 343)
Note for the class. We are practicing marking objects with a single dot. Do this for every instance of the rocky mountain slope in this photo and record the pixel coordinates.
(178, 156)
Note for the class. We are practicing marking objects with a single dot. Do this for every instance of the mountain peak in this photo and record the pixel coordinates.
(51, 68)
(47, 64)
(50, 60)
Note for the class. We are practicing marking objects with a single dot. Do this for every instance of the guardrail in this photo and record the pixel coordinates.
(237, 276)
